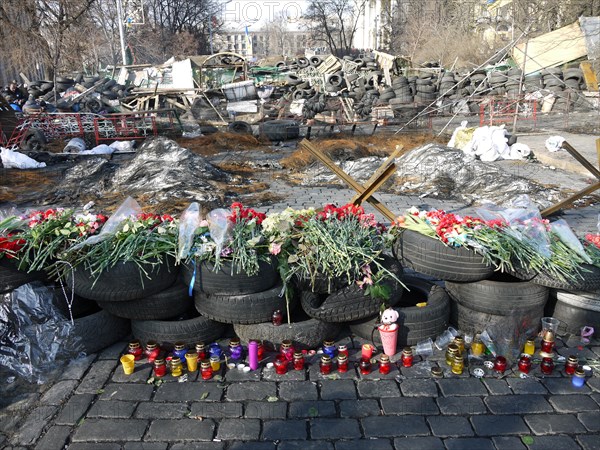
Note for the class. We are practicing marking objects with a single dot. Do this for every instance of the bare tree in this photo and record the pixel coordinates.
(334, 23)
(278, 36)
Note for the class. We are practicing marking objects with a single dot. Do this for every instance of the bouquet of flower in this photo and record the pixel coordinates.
(142, 238)
(336, 243)
(235, 235)
(37, 239)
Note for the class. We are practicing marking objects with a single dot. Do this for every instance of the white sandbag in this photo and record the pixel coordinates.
(123, 146)
(554, 143)
(518, 151)
(75, 145)
(101, 149)
(16, 160)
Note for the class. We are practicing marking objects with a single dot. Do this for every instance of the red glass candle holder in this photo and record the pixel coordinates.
(160, 368)
(365, 366)
(525, 363)
(500, 364)
(298, 361)
(384, 365)
(206, 370)
(342, 363)
(325, 365)
(547, 366)
(547, 346)
(281, 365)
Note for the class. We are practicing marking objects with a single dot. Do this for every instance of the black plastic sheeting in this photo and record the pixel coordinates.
(35, 337)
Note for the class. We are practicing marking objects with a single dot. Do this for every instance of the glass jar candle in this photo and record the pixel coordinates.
(459, 341)
(215, 363)
(547, 366)
(458, 364)
(407, 357)
(342, 363)
(206, 370)
(343, 350)
(329, 348)
(524, 363)
(176, 367)
(365, 366)
(451, 352)
(135, 349)
(500, 364)
(578, 379)
(160, 368)
(201, 350)
(325, 365)
(529, 347)
(180, 350)
(298, 361)
(287, 350)
(235, 349)
(384, 364)
(261, 350)
(277, 318)
(548, 341)
(477, 347)
(281, 365)
(152, 351)
(571, 365)
(214, 349)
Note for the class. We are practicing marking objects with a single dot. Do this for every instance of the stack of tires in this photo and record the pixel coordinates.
(480, 299)
(402, 104)
(426, 91)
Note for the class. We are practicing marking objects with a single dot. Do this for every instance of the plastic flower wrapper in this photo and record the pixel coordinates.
(189, 221)
(562, 229)
(220, 229)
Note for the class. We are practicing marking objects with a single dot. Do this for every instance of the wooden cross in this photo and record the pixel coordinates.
(363, 192)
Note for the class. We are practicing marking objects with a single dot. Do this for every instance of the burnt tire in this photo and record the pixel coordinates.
(100, 330)
(281, 130)
(33, 141)
(416, 323)
(432, 257)
(586, 279)
(124, 281)
(228, 282)
(244, 308)
(188, 331)
(575, 310)
(171, 302)
(11, 277)
(240, 127)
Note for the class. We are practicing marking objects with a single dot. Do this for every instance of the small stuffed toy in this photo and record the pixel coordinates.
(388, 319)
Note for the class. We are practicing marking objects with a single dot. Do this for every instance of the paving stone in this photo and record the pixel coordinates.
(282, 430)
(19, 402)
(74, 409)
(394, 426)
(419, 388)
(305, 445)
(239, 430)
(291, 375)
(314, 373)
(420, 369)
(114, 409)
(55, 438)
(462, 406)
(179, 392)
(554, 424)
(334, 429)
(29, 431)
(251, 391)
(217, 410)
(409, 405)
(508, 443)
(450, 426)
(359, 408)
(466, 387)
(362, 444)
(594, 383)
(97, 377)
(266, 410)
(252, 446)
(490, 425)
(497, 387)
(103, 430)
(114, 351)
(418, 443)
(9, 421)
(469, 444)
(551, 443)
(94, 446)
(198, 446)
(573, 403)
(337, 390)
(59, 392)
(235, 375)
(180, 430)
(150, 410)
(527, 386)
(590, 420)
(562, 386)
(141, 373)
(518, 404)
(596, 398)
(589, 442)
(145, 446)
(122, 391)
(304, 410)
(378, 389)
(301, 390)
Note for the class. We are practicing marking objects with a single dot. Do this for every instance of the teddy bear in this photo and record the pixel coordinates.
(388, 319)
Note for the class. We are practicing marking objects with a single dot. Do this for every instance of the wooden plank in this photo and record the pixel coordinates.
(579, 157)
(589, 76)
(598, 150)
(381, 169)
(344, 176)
(586, 191)
(374, 186)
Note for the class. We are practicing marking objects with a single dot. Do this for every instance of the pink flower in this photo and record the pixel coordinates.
(275, 248)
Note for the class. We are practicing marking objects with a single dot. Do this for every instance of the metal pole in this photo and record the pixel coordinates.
(121, 31)
(514, 127)
(210, 34)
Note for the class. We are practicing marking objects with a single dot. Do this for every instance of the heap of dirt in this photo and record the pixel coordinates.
(219, 142)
